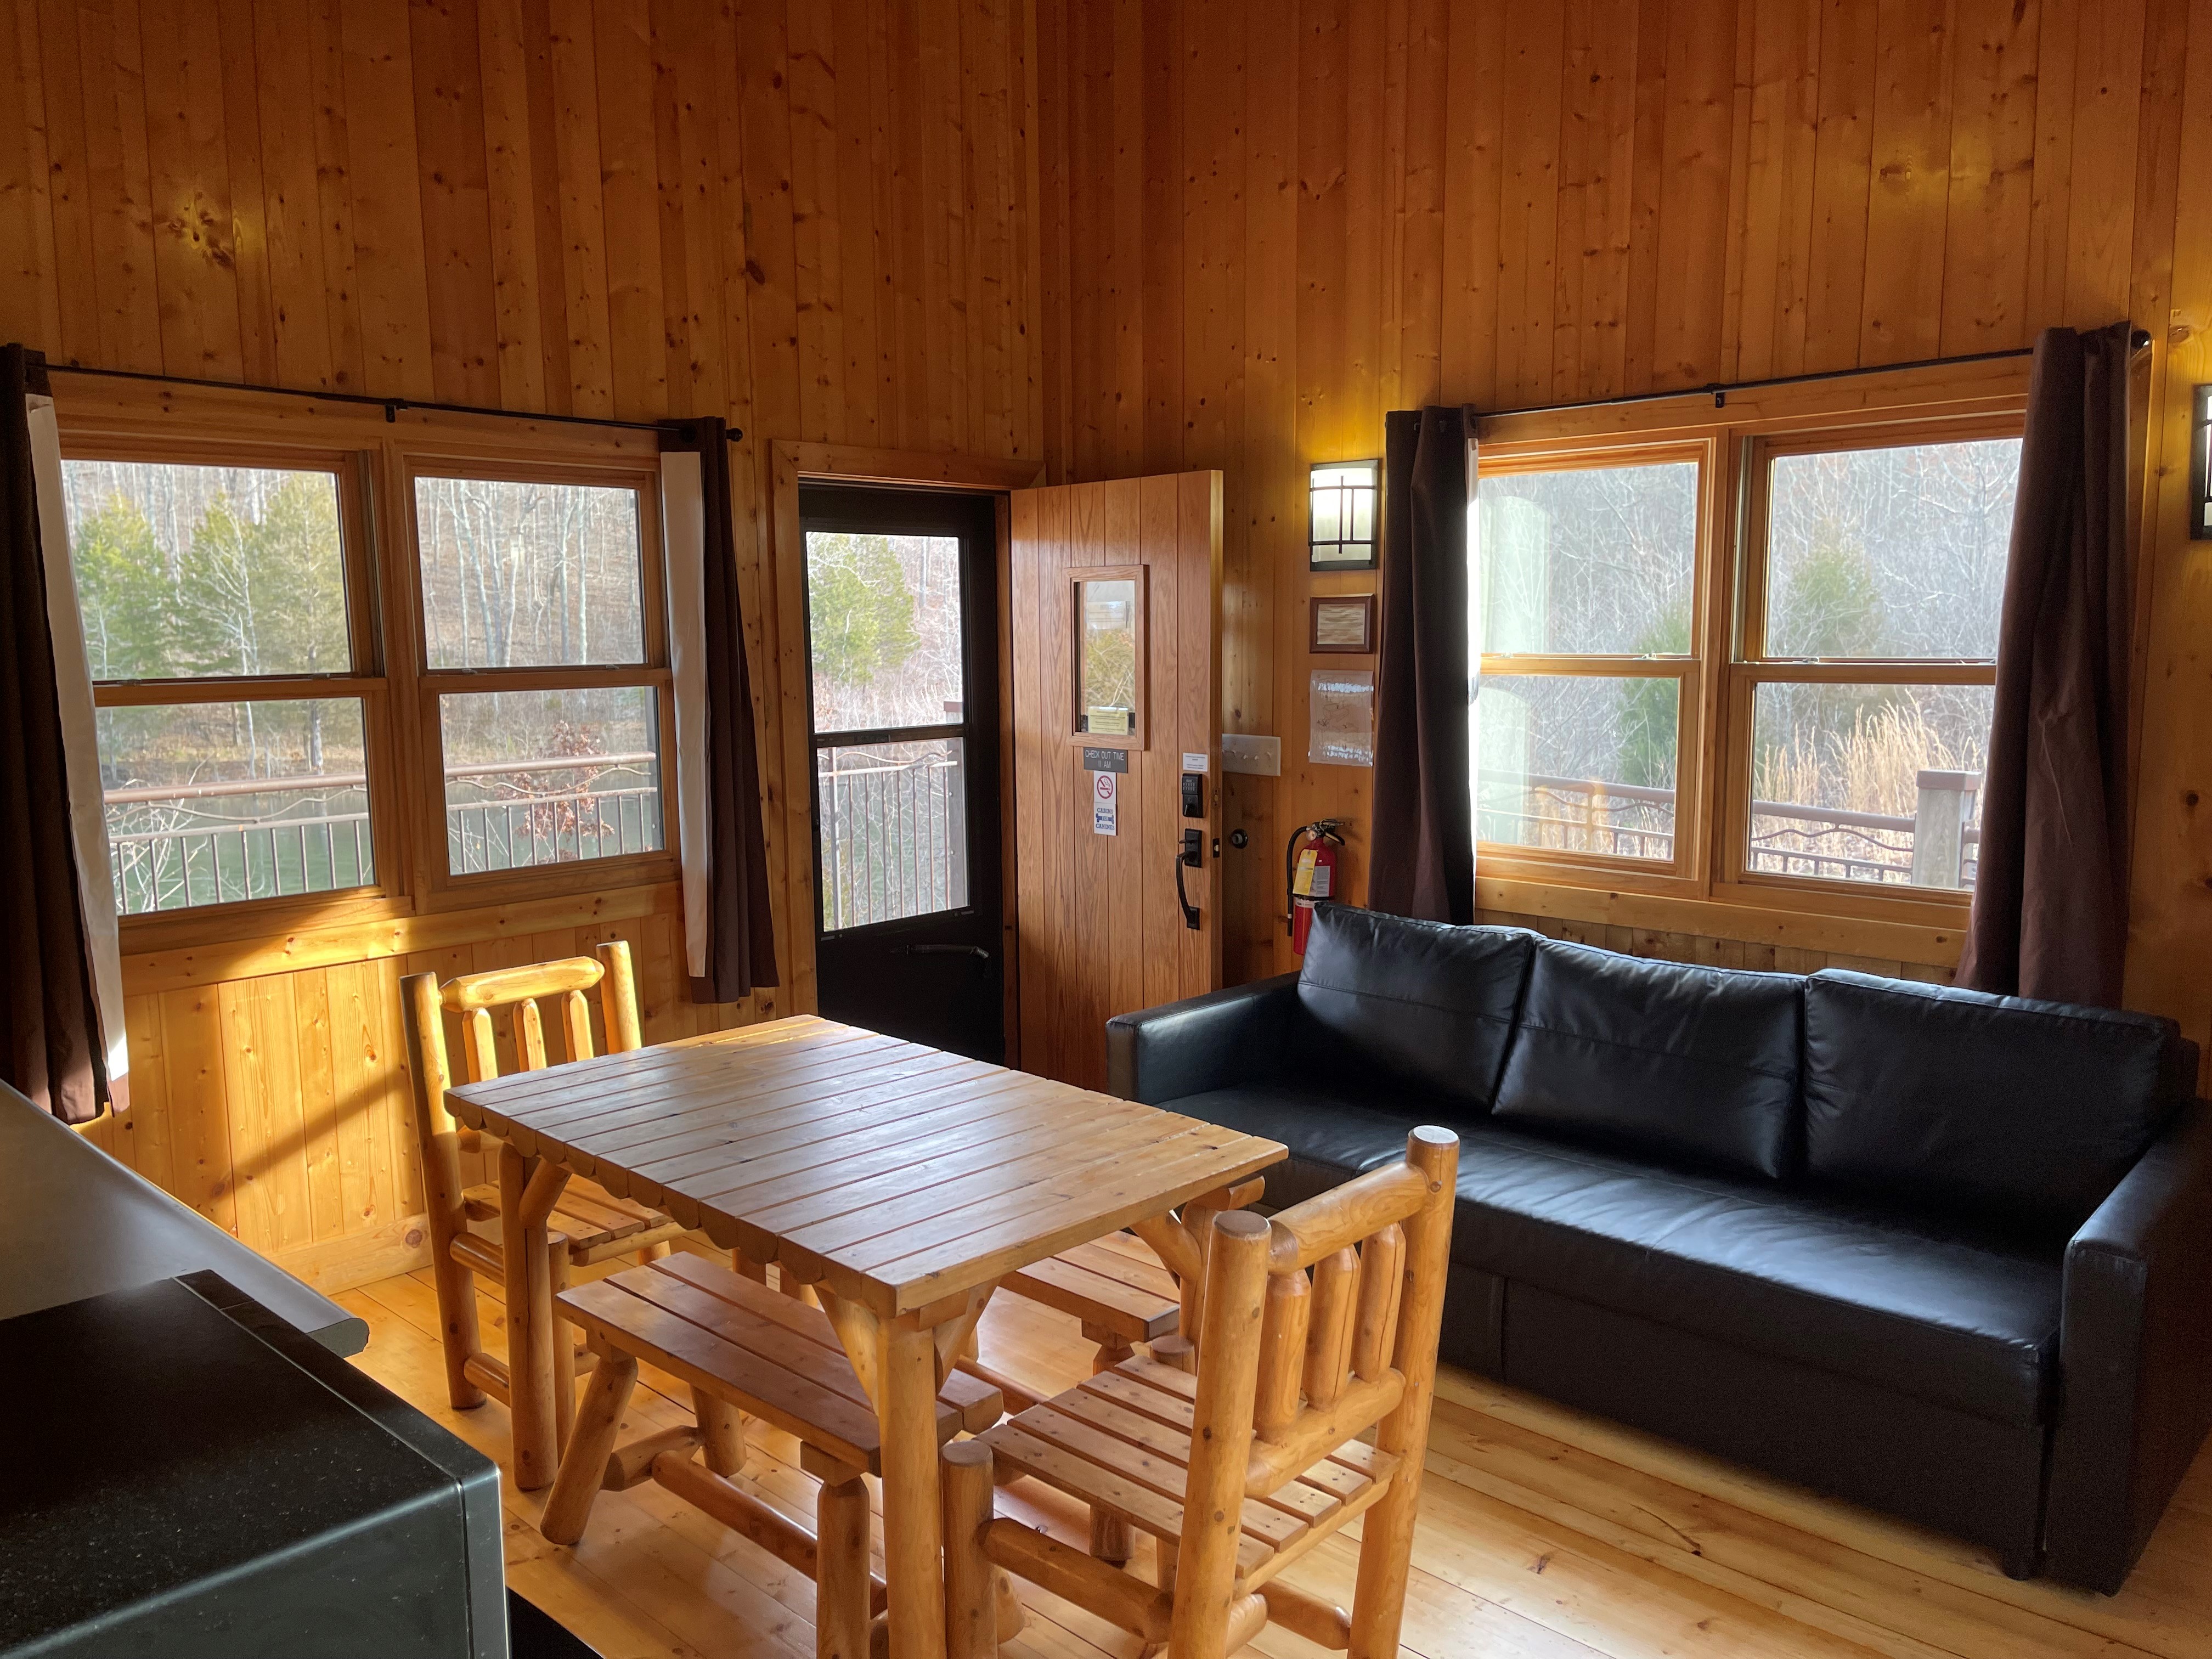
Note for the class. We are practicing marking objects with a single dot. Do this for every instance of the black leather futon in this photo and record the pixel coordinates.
(1945, 1253)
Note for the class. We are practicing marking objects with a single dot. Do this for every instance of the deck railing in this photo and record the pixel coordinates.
(1937, 847)
(185, 844)
(894, 836)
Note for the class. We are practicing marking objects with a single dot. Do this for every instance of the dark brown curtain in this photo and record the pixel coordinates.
(740, 930)
(50, 1045)
(2050, 916)
(1422, 863)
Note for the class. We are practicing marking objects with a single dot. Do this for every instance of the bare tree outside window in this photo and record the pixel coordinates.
(520, 575)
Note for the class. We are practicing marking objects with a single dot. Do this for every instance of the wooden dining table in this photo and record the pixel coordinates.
(900, 1182)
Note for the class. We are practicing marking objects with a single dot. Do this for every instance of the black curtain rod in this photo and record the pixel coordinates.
(390, 406)
(1719, 393)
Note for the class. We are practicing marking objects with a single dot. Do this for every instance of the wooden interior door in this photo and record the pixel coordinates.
(1100, 927)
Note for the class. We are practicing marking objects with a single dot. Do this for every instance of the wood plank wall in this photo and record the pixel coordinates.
(1265, 224)
(812, 217)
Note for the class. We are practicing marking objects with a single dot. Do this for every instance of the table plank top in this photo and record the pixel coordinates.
(899, 1175)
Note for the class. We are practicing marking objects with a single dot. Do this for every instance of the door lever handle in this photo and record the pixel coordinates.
(1193, 850)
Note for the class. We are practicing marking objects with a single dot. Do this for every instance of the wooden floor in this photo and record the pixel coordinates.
(1544, 1534)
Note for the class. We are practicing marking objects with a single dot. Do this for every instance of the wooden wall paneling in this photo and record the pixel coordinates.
(454, 179)
(1597, 139)
(1842, 186)
(2108, 75)
(1529, 220)
(385, 199)
(817, 224)
(196, 279)
(333, 198)
(27, 288)
(1695, 196)
(1645, 179)
(1903, 302)
(1993, 102)
(119, 174)
(1777, 214)
(292, 202)
(76, 303)
(577, 182)
(514, 206)
(1474, 141)
(638, 322)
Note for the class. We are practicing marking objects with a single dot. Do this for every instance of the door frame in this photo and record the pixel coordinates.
(791, 463)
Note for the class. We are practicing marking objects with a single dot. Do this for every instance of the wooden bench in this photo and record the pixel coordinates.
(744, 1350)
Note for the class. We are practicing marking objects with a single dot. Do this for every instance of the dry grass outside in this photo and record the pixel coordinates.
(1875, 767)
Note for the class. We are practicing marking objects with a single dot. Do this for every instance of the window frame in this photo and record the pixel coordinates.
(1714, 765)
(381, 453)
(368, 681)
(428, 685)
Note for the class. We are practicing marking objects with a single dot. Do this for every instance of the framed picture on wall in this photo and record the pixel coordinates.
(1341, 621)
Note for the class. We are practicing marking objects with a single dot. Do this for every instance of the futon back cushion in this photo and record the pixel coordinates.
(1418, 1003)
(2023, 1110)
(1688, 1062)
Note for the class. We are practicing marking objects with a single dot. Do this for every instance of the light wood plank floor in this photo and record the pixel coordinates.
(1545, 1535)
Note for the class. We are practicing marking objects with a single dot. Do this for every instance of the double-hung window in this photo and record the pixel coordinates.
(544, 676)
(1746, 657)
(404, 665)
(227, 607)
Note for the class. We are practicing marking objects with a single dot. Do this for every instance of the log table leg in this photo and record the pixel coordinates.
(914, 1523)
(529, 1325)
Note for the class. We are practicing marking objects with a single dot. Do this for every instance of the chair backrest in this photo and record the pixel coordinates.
(1318, 1326)
(474, 996)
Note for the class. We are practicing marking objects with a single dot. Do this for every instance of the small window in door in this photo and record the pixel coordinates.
(885, 616)
(1109, 656)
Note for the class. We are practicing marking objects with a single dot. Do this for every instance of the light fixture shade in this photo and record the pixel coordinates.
(1345, 514)
(2200, 467)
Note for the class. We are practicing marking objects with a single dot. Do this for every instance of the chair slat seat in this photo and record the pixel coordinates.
(593, 1218)
(1121, 1441)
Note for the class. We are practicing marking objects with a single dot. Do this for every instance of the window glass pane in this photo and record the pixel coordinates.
(185, 572)
(219, 801)
(550, 777)
(893, 831)
(1106, 644)
(884, 616)
(1869, 782)
(529, 576)
(1890, 552)
(1580, 764)
(1600, 560)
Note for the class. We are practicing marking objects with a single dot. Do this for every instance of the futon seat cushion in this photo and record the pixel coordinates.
(1968, 1321)
(1962, 1100)
(1417, 1004)
(1684, 1063)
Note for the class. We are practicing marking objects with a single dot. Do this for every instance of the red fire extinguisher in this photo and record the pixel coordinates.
(1310, 874)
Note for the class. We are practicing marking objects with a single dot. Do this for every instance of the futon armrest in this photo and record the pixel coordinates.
(2135, 1358)
(1211, 1042)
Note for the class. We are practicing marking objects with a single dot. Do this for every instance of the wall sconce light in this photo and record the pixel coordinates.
(1346, 497)
(2200, 467)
